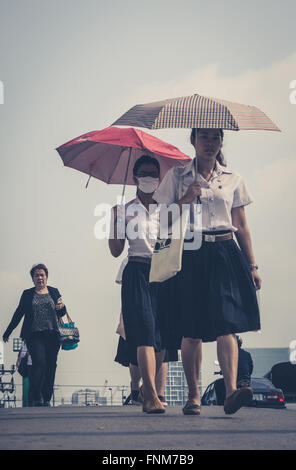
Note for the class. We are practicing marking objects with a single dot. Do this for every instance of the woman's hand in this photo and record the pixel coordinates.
(60, 304)
(256, 278)
(194, 190)
(117, 232)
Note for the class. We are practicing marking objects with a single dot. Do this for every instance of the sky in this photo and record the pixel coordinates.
(71, 66)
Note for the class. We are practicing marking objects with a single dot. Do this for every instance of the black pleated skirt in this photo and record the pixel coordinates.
(140, 309)
(123, 358)
(213, 295)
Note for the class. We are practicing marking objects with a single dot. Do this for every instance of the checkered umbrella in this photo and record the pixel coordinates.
(197, 111)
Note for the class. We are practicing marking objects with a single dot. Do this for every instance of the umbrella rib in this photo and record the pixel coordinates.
(115, 166)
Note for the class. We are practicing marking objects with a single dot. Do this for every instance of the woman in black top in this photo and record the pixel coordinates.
(41, 307)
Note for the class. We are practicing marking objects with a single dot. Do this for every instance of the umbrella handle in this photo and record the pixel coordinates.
(196, 167)
(87, 181)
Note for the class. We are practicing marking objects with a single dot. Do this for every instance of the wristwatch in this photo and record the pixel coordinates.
(255, 266)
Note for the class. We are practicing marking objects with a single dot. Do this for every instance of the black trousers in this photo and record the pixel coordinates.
(43, 347)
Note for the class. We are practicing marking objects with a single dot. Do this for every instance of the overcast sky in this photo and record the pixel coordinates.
(72, 66)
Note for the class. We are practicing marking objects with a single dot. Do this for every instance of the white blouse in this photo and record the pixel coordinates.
(141, 228)
(224, 191)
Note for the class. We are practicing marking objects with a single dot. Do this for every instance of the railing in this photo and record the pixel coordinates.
(72, 395)
(79, 395)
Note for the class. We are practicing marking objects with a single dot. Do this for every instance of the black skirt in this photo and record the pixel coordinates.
(122, 354)
(140, 309)
(213, 295)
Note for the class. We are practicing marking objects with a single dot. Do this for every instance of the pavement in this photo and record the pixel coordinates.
(128, 428)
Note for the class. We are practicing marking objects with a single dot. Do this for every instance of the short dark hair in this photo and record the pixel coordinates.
(145, 159)
(38, 266)
(220, 157)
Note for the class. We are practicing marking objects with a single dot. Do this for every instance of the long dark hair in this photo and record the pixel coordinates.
(220, 157)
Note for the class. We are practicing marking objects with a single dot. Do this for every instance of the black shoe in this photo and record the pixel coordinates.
(191, 409)
(46, 403)
(241, 397)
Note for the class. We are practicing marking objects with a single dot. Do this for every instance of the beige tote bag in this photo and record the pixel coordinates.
(167, 255)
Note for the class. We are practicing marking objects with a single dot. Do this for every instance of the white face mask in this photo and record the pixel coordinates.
(148, 184)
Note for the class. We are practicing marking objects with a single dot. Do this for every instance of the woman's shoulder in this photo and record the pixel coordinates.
(52, 289)
(28, 291)
(229, 171)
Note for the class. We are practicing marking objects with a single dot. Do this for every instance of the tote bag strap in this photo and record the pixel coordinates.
(180, 186)
(68, 319)
(180, 194)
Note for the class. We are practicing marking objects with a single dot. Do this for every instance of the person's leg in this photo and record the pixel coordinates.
(148, 367)
(227, 352)
(36, 349)
(160, 380)
(136, 395)
(52, 347)
(191, 351)
(30, 394)
(135, 377)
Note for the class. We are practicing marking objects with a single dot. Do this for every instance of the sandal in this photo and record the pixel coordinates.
(191, 409)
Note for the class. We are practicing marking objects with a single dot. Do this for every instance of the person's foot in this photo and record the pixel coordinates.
(238, 399)
(46, 403)
(136, 398)
(153, 406)
(191, 408)
(163, 400)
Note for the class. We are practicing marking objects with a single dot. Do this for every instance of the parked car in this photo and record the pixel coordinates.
(283, 376)
(265, 395)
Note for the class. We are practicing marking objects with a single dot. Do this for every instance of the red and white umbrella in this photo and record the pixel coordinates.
(110, 154)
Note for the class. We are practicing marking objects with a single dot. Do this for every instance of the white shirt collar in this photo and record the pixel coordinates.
(219, 169)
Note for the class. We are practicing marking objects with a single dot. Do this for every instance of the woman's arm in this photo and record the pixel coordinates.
(61, 309)
(243, 237)
(116, 245)
(17, 316)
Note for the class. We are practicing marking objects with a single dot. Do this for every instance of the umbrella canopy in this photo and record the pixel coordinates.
(111, 153)
(197, 111)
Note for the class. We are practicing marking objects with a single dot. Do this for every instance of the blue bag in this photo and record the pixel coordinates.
(69, 334)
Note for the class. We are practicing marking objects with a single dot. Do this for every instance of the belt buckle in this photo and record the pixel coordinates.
(210, 238)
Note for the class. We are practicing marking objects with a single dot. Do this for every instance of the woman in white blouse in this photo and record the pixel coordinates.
(214, 295)
(138, 221)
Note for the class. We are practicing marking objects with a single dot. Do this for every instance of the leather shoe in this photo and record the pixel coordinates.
(37, 403)
(153, 406)
(191, 409)
(241, 397)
